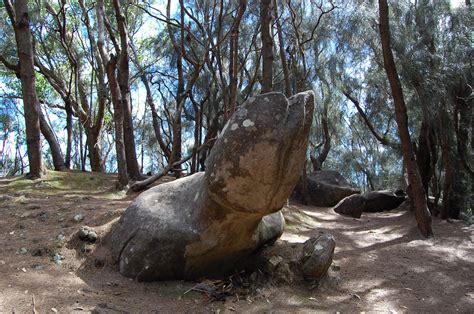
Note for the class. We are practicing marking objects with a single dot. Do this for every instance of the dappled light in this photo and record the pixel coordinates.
(209, 156)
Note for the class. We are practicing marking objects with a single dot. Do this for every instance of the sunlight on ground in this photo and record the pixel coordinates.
(56, 183)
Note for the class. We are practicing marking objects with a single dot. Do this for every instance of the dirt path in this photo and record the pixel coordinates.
(380, 262)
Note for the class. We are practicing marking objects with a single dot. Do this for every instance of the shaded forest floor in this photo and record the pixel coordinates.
(380, 263)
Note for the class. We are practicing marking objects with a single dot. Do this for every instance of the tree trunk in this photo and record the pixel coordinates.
(124, 83)
(267, 45)
(69, 127)
(110, 64)
(234, 57)
(21, 24)
(118, 122)
(422, 213)
(49, 135)
(281, 47)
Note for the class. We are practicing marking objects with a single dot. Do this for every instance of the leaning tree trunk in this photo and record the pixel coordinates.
(267, 45)
(422, 213)
(21, 24)
(49, 135)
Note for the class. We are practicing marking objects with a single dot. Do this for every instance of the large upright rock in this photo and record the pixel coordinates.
(205, 224)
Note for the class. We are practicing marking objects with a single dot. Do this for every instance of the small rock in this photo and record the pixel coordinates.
(32, 207)
(87, 234)
(60, 219)
(23, 251)
(272, 263)
(38, 266)
(37, 252)
(317, 255)
(21, 226)
(78, 217)
(61, 237)
(58, 259)
(43, 216)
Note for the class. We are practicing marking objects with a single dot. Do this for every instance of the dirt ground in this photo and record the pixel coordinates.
(380, 263)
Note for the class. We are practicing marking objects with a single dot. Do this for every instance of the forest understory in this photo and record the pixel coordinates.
(380, 263)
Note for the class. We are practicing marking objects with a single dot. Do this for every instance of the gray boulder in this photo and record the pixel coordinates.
(317, 256)
(207, 223)
(270, 228)
(352, 206)
(376, 201)
(379, 201)
(326, 188)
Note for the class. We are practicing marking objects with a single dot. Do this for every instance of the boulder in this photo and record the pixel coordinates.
(376, 201)
(207, 223)
(326, 188)
(87, 234)
(352, 206)
(317, 255)
(270, 228)
(379, 201)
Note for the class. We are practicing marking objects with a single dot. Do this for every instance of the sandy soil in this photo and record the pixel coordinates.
(380, 263)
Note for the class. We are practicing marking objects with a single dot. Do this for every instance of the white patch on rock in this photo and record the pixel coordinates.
(196, 197)
(266, 99)
(248, 123)
(318, 247)
(225, 189)
(234, 126)
(126, 260)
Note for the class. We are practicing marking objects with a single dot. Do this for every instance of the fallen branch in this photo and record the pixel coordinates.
(145, 184)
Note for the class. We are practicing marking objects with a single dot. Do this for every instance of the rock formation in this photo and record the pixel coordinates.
(376, 201)
(205, 224)
(326, 188)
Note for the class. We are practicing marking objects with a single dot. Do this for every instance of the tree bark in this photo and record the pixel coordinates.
(110, 64)
(267, 45)
(281, 47)
(234, 57)
(48, 133)
(21, 25)
(422, 213)
(69, 127)
(124, 83)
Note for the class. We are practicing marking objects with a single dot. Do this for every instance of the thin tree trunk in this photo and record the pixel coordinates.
(21, 24)
(234, 56)
(69, 128)
(48, 134)
(267, 45)
(281, 46)
(422, 213)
